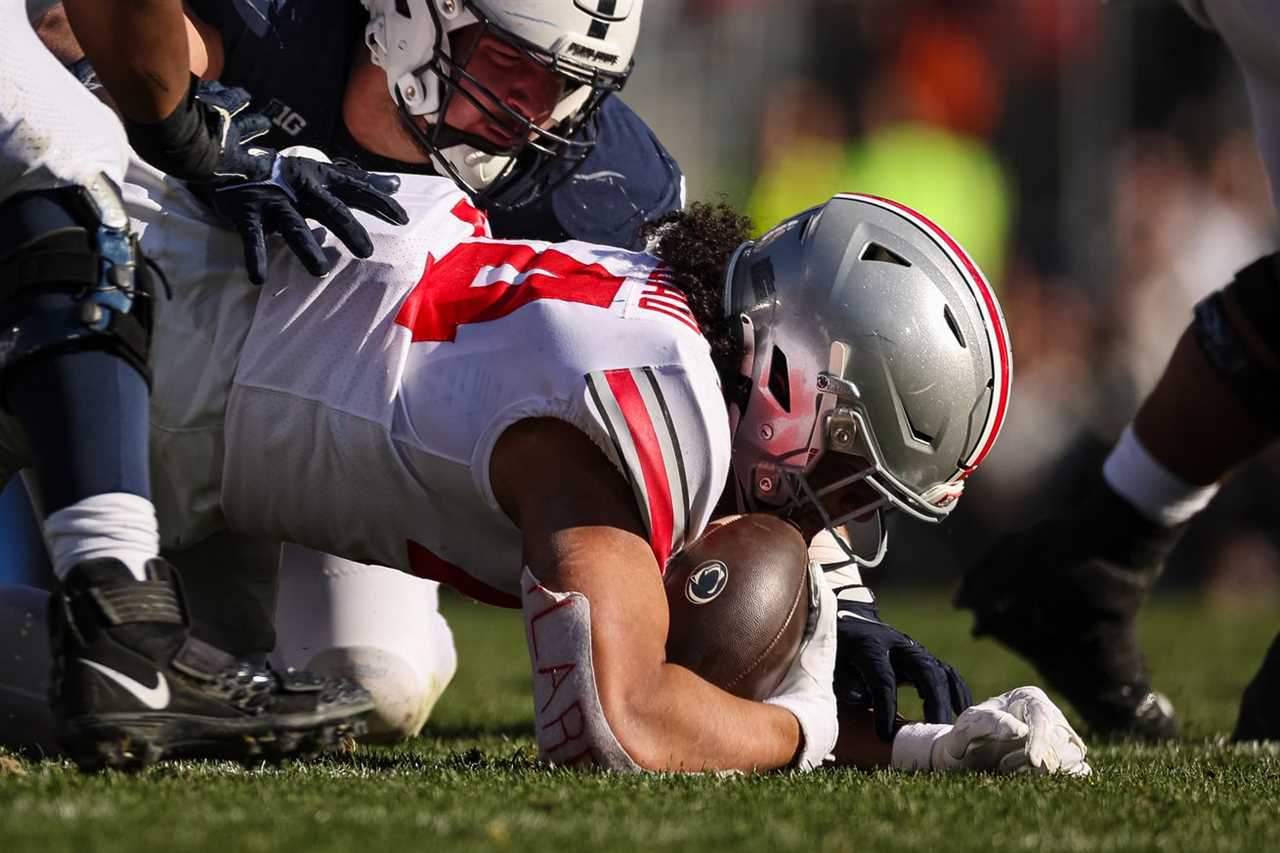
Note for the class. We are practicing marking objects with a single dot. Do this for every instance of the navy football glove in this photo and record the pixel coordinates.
(205, 136)
(262, 192)
(872, 658)
(294, 190)
(207, 142)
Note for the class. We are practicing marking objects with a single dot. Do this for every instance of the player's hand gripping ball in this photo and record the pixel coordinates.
(739, 601)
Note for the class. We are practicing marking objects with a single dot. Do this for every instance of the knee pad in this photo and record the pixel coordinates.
(1256, 289)
(72, 276)
(569, 720)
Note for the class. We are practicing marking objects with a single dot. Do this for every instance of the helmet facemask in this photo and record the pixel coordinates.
(500, 177)
(785, 484)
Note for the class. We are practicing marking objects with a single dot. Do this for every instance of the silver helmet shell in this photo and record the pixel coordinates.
(869, 332)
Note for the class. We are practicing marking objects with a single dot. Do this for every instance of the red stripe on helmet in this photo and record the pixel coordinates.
(994, 317)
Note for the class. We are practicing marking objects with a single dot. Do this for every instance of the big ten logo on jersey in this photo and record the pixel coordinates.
(284, 118)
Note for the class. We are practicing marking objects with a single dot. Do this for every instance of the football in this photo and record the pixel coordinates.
(739, 600)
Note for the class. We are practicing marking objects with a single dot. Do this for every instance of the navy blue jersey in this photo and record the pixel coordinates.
(294, 57)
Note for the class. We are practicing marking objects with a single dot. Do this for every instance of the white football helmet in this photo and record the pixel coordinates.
(867, 331)
(590, 43)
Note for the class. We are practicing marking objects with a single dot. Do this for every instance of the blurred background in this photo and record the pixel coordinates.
(1095, 158)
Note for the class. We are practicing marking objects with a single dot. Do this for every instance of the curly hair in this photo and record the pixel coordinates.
(696, 244)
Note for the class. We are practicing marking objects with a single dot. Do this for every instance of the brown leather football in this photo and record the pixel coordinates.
(739, 599)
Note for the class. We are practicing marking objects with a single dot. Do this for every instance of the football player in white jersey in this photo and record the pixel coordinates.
(543, 425)
(378, 626)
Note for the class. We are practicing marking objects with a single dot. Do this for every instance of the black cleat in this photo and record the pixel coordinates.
(1065, 595)
(131, 685)
(1260, 707)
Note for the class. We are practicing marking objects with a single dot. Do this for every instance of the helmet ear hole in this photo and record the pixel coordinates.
(780, 380)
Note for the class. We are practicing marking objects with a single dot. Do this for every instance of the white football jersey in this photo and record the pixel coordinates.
(366, 404)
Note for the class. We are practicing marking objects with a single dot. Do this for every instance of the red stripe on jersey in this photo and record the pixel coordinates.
(993, 318)
(649, 453)
(424, 564)
(477, 219)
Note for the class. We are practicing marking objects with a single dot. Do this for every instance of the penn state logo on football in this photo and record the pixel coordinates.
(706, 582)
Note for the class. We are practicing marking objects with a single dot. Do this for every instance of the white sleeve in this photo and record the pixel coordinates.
(669, 435)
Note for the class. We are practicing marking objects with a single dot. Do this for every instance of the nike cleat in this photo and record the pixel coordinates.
(132, 686)
(1065, 595)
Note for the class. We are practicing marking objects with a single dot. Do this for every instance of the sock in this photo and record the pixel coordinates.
(116, 525)
(1156, 492)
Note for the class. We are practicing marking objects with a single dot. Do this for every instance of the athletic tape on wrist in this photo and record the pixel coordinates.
(570, 724)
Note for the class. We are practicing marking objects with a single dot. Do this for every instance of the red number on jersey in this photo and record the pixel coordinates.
(478, 282)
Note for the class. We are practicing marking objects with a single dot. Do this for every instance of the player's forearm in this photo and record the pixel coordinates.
(858, 744)
(139, 50)
(692, 725)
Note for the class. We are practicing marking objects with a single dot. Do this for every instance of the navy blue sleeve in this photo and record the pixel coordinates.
(627, 181)
(228, 17)
(293, 57)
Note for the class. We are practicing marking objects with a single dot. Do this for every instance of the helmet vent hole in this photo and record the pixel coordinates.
(918, 434)
(780, 380)
(876, 252)
(953, 325)
(402, 9)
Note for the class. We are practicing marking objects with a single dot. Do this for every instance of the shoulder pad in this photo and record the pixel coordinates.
(628, 180)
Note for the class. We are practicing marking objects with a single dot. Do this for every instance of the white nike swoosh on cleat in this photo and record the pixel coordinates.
(154, 698)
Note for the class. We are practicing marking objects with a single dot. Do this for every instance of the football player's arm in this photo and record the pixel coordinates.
(204, 43)
(582, 533)
(139, 50)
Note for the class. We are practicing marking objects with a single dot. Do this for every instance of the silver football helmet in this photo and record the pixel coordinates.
(589, 43)
(867, 332)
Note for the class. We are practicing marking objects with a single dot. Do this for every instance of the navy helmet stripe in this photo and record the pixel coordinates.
(599, 29)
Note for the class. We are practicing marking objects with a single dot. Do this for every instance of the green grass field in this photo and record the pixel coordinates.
(473, 783)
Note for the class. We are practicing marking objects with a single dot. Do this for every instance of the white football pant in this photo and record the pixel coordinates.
(377, 626)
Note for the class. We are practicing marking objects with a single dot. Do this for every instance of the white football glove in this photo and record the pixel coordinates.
(806, 689)
(1021, 730)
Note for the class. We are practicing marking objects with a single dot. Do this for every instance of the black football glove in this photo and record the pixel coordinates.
(297, 189)
(260, 191)
(873, 658)
(205, 137)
